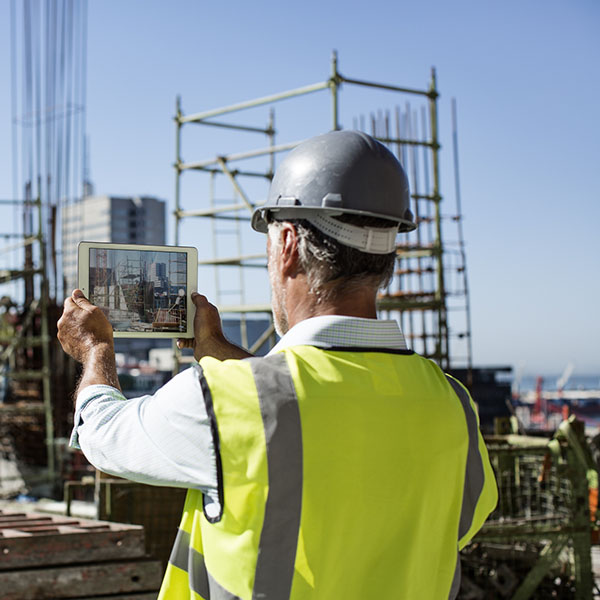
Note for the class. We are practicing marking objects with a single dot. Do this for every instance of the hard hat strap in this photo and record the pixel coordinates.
(373, 240)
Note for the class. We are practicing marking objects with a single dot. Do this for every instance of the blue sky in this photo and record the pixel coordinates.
(526, 78)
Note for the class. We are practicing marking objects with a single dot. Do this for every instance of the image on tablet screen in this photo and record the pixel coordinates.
(140, 290)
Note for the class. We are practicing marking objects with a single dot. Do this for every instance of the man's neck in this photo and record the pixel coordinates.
(302, 304)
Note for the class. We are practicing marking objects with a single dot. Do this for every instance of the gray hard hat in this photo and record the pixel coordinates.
(340, 172)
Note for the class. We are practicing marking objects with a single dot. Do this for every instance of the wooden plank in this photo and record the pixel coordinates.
(23, 522)
(81, 581)
(37, 529)
(36, 522)
(11, 515)
(65, 548)
(33, 521)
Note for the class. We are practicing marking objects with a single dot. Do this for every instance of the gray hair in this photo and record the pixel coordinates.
(333, 269)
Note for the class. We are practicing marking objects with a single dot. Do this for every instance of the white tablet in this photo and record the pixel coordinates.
(145, 291)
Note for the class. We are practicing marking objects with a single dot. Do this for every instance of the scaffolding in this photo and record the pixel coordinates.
(129, 290)
(430, 276)
(25, 340)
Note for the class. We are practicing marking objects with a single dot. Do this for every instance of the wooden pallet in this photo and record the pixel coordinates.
(50, 557)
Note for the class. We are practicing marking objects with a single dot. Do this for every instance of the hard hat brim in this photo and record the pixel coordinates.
(259, 216)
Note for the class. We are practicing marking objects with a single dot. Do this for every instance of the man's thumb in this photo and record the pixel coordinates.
(80, 299)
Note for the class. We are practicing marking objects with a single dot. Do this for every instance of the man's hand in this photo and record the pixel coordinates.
(85, 333)
(209, 339)
(83, 327)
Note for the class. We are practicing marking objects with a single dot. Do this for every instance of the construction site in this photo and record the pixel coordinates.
(60, 519)
(140, 291)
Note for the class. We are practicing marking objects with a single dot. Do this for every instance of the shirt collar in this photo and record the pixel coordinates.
(343, 332)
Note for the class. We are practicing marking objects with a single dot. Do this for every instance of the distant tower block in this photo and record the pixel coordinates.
(116, 219)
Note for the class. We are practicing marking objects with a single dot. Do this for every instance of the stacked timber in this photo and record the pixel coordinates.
(50, 557)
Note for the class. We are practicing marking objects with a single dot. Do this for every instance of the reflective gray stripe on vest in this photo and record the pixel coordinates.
(474, 474)
(474, 477)
(192, 562)
(455, 588)
(283, 433)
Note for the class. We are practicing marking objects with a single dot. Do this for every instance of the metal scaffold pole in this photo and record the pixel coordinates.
(334, 83)
(177, 166)
(177, 210)
(45, 340)
(442, 341)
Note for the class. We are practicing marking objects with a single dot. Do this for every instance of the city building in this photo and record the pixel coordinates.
(158, 274)
(121, 220)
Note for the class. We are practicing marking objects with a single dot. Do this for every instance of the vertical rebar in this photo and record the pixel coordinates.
(271, 138)
(461, 243)
(13, 100)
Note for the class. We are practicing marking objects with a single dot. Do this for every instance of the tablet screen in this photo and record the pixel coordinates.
(140, 291)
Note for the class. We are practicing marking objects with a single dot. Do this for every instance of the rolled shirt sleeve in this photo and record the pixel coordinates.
(161, 439)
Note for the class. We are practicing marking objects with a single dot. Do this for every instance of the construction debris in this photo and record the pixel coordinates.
(537, 543)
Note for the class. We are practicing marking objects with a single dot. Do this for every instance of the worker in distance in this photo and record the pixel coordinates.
(342, 464)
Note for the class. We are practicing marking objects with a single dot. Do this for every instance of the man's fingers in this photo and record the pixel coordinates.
(68, 308)
(185, 343)
(69, 303)
(81, 301)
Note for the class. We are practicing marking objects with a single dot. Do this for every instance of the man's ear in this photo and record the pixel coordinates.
(289, 250)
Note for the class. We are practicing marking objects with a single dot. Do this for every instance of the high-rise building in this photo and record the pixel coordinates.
(157, 274)
(120, 220)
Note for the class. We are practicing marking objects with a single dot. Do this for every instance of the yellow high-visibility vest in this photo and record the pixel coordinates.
(342, 473)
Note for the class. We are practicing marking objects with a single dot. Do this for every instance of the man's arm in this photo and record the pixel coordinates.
(85, 333)
(163, 439)
(159, 439)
